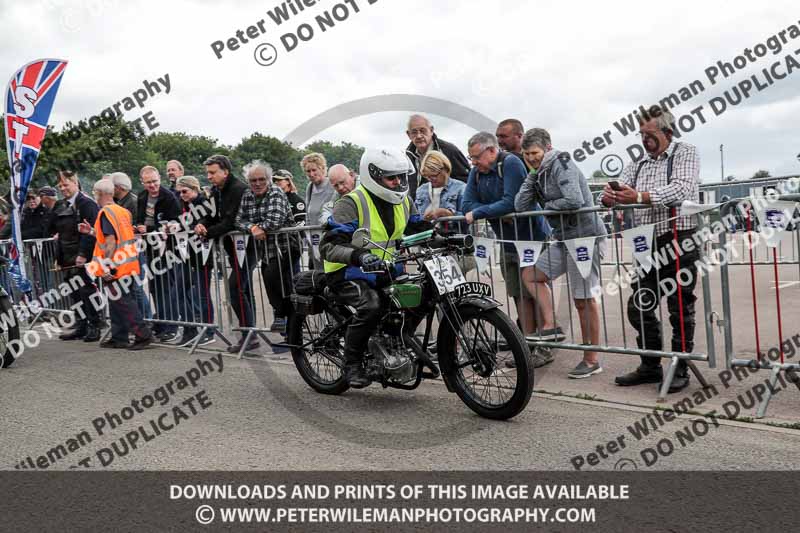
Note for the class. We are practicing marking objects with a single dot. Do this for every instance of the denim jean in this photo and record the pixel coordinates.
(197, 291)
(164, 291)
(142, 301)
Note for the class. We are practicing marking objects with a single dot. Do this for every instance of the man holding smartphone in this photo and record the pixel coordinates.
(669, 175)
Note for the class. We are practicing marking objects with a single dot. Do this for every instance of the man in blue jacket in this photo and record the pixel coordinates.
(492, 185)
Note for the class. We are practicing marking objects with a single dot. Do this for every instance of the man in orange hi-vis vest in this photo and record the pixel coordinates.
(116, 261)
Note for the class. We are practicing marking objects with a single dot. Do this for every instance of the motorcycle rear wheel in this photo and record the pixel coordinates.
(498, 391)
(320, 366)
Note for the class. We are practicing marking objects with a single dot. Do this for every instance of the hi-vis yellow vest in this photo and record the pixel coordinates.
(368, 217)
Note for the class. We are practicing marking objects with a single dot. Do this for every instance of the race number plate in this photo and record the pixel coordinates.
(471, 288)
(445, 272)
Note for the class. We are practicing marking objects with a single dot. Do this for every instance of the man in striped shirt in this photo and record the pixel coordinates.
(669, 175)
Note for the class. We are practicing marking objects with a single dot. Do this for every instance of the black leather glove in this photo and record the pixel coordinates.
(371, 263)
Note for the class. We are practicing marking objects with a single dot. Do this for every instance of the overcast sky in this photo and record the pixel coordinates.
(571, 67)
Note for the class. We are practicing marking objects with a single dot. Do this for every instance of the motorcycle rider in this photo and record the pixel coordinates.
(356, 269)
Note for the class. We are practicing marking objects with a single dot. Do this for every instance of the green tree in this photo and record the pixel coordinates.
(278, 154)
(761, 174)
(115, 145)
(346, 153)
(190, 150)
(91, 152)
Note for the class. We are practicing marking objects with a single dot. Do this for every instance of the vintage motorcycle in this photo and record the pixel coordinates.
(482, 354)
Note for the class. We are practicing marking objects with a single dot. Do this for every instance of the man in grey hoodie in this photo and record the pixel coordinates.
(558, 185)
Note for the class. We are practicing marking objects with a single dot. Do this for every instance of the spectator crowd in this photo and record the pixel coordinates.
(507, 171)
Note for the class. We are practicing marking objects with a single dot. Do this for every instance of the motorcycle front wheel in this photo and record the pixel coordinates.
(320, 363)
(8, 332)
(494, 374)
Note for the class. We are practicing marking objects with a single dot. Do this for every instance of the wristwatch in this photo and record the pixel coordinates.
(639, 199)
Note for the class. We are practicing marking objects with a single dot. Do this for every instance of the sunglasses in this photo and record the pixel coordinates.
(257, 180)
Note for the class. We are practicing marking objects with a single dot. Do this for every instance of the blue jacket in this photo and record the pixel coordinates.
(490, 196)
(452, 197)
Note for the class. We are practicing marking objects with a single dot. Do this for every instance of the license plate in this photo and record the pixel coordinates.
(472, 288)
(445, 272)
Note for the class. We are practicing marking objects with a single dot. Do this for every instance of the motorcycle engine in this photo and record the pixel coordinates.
(397, 361)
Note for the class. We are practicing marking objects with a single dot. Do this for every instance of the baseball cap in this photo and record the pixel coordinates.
(282, 174)
(48, 191)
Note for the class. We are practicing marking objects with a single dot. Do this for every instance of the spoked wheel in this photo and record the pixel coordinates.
(494, 375)
(321, 362)
(8, 332)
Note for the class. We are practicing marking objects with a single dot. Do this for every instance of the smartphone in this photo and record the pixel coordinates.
(614, 184)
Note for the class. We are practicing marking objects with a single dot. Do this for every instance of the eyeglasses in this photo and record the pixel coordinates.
(434, 175)
(476, 157)
(423, 131)
(257, 180)
(183, 191)
(642, 133)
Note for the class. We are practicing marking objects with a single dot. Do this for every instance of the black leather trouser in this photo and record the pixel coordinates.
(367, 302)
(646, 298)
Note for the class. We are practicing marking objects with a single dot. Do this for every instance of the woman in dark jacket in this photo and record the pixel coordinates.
(34, 222)
(196, 273)
(285, 180)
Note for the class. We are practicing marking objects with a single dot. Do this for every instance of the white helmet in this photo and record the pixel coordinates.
(377, 163)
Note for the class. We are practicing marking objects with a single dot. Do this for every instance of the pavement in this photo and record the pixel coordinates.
(257, 413)
(709, 338)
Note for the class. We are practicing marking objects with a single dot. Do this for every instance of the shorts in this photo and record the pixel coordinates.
(509, 266)
(556, 259)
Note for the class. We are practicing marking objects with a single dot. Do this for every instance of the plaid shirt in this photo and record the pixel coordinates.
(684, 185)
(270, 212)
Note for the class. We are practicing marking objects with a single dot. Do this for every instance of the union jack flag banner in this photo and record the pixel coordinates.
(29, 100)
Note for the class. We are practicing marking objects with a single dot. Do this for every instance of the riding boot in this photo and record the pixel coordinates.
(354, 371)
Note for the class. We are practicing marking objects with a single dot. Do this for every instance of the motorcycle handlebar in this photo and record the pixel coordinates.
(462, 241)
(466, 242)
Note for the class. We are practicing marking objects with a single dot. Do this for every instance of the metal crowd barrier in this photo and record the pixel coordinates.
(616, 335)
(766, 308)
(46, 295)
(779, 266)
(260, 281)
(228, 287)
(181, 288)
(239, 286)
